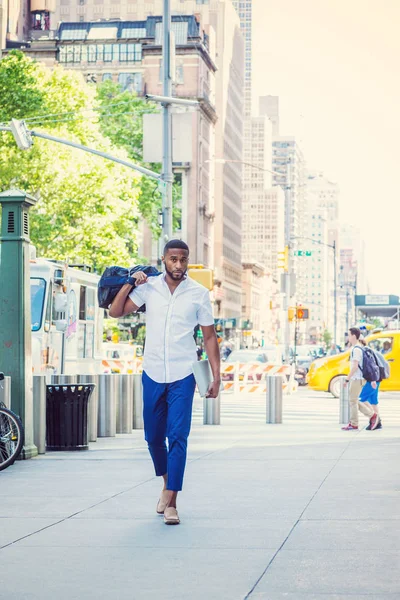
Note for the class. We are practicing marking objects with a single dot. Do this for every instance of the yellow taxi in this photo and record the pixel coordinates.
(325, 373)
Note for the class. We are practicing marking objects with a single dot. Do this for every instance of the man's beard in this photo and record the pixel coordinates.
(175, 276)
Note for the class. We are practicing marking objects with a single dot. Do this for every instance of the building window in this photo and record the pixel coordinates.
(107, 77)
(100, 52)
(180, 29)
(130, 81)
(133, 32)
(62, 54)
(77, 54)
(70, 54)
(92, 54)
(130, 52)
(108, 52)
(179, 73)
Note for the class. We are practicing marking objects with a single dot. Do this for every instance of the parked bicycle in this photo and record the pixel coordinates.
(11, 434)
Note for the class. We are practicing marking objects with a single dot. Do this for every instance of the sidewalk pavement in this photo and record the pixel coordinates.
(298, 511)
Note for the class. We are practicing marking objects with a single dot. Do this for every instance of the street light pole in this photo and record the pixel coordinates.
(167, 174)
(287, 274)
(334, 294)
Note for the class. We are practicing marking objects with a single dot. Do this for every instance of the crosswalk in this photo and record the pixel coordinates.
(303, 406)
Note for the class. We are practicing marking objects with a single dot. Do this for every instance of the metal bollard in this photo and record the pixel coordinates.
(274, 399)
(344, 404)
(93, 408)
(212, 411)
(39, 412)
(5, 391)
(236, 378)
(125, 403)
(107, 396)
(137, 402)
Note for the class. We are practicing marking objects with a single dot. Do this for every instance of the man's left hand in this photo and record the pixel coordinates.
(214, 389)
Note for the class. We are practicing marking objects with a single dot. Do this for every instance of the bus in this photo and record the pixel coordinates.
(67, 323)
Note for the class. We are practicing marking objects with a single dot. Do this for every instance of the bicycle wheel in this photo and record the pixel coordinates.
(11, 437)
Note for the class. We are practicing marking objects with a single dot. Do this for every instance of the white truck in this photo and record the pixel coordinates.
(67, 323)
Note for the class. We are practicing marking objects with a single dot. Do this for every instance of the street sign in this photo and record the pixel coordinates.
(302, 253)
(382, 300)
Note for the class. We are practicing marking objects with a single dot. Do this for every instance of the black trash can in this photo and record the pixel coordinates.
(67, 416)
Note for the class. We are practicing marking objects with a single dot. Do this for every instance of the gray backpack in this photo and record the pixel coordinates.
(384, 367)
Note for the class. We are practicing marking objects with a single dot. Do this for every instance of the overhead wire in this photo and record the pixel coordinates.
(82, 118)
(73, 112)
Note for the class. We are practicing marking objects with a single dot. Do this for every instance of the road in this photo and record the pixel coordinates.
(298, 511)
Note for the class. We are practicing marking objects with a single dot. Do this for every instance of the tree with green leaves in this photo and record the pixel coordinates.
(327, 337)
(121, 120)
(88, 207)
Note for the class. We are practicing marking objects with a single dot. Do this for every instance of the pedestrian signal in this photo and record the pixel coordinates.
(302, 314)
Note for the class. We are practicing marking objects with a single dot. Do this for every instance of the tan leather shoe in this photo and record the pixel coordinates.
(171, 516)
(162, 503)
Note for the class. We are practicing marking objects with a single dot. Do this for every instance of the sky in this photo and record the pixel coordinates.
(335, 65)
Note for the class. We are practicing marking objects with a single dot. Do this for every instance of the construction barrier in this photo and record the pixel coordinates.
(121, 366)
(257, 372)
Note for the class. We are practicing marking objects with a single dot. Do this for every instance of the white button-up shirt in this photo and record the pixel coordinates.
(170, 349)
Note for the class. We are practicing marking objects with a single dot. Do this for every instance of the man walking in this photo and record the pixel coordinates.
(175, 305)
(355, 381)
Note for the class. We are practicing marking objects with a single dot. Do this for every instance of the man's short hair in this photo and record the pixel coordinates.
(355, 331)
(176, 245)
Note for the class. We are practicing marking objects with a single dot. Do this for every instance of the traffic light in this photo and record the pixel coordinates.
(283, 259)
(302, 314)
(291, 313)
(203, 276)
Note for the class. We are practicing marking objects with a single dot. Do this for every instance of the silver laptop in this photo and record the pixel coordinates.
(203, 375)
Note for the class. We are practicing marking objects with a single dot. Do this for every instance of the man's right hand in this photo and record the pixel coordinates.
(140, 277)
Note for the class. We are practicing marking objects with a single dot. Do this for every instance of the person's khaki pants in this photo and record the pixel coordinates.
(355, 405)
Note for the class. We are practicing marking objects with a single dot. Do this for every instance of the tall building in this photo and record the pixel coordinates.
(317, 298)
(263, 227)
(323, 200)
(130, 53)
(134, 10)
(269, 107)
(352, 275)
(258, 154)
(253, 302)
(220, 158)
(263, 219)
(289, 168)
(22, 20)
(244, 10)
(263, 205)
(228, 157)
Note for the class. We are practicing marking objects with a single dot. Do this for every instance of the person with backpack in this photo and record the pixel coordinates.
(363, 366)
(369, 393)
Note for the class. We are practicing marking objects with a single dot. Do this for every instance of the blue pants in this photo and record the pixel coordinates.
(368, 394)
(167, 413)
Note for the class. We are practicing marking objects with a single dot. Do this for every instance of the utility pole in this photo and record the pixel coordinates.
(334, 293)
(167, 174)
(287, 273)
